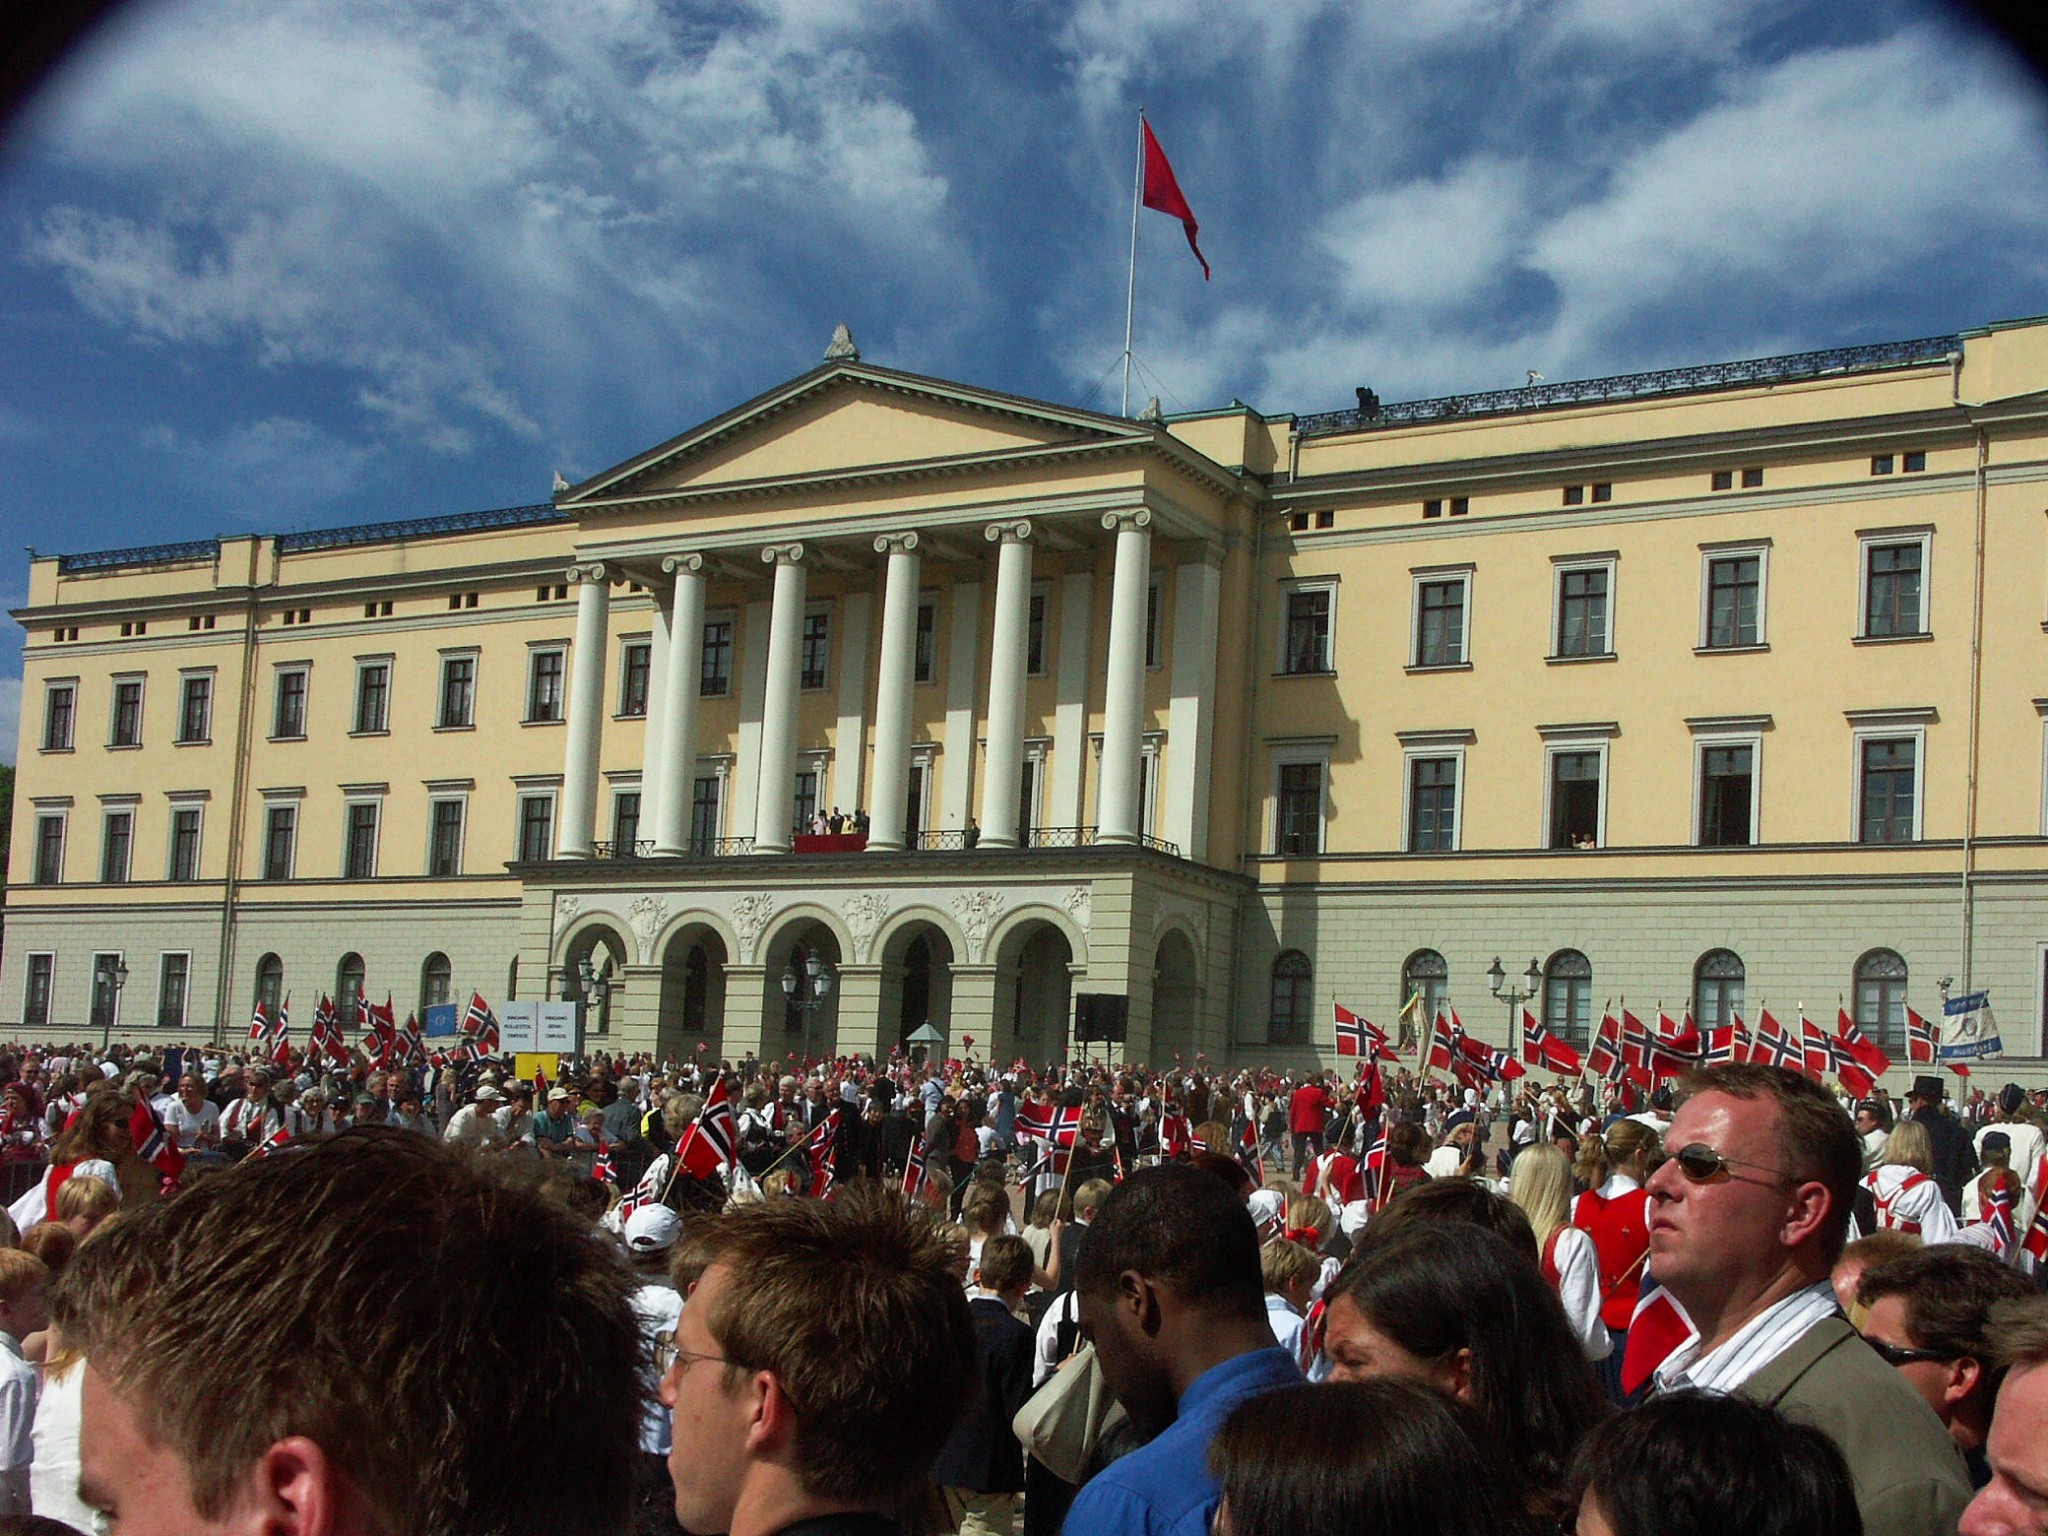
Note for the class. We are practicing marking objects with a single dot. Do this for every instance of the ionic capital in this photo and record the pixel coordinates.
(896, 543)
(1120, 522)
(782, 554)
(681, 565)
(1018, 532)
(591, 571)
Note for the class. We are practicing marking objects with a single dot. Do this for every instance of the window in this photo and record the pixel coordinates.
(817, 650)
(184, 853)
(1752, 478)
(1727, 794)
(1460, 505)
(1326, 519)
(704, 813)
(1575, 778)
(288, 718)
(1305, 647)
(1881, 1001)
(50, 848)
(437, 981)
(1034, 635)
(924, 660)
(117, 846)
(1894, 571)
(536, 827)
(715, 667)
(1427, 978)
(1298, 810)
(1152, 625)
(1432, 804)
(373, 698)
(1441, 611)
(125, 729)
(280, 840)
(1297, 522)
(1583, 627)
(1603, 491)
(1574, 495)
(1717, 989)
(458, 693)
(60, 716)
(173, 982)
(626, 821)
(636, 661)
(1915, 463)
(544, 670)
(1568, 997)
(195, 707)
(348, 990)
(805, 804)
(359, 840)
(1880, 463)
(1724, 480)
(375, 609)
(444, 839)
(1433, 508)
(1293, 1005)
(35, 999)
(1732, 599)
(106, 991)
(1887, 802)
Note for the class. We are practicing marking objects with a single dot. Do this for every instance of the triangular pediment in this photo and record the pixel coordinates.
(848, 419)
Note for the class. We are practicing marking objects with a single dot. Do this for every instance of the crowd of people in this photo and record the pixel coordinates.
(867, 1297)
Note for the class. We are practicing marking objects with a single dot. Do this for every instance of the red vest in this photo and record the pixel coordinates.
(1335, 1179)
(1620, 1229)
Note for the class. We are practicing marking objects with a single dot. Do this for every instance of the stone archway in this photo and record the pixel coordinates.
(916, 982)
(609, 951)
(787, 1028)
(1176, 998)
(1034, 1001)
(692, 1012)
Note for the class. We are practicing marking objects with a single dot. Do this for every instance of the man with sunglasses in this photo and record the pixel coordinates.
(1747, 1218)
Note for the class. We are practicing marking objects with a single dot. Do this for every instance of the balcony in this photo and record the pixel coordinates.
(1033, 839)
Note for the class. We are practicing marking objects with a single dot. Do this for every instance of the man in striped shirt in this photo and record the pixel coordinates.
(1747, 1218)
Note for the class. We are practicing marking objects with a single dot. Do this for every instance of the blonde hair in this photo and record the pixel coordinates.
(19, 1270)
(88, 1198)
(1285, 1263)
(1909, 1146)
(1626, 1141)
(1540, 1182)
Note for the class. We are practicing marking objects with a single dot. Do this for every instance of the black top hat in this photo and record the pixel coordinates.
(1928, 1087)
(2011, 1097)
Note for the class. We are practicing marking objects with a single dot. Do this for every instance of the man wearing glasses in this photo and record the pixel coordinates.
(1747, 1218)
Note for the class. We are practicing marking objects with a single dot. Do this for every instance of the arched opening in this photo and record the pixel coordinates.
(1425, 981)
(1291, 1007)
(917, 986)
(1717, 982)
(1881, 1000)
(437, 982)
(269, 984)
(802, 1022)
(1034, 1000)
(1568, 997)
(348, 990)
(692, 995)
(603, 998)
(1176, 998)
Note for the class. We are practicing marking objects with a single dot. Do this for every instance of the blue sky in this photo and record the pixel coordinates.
(284, 263)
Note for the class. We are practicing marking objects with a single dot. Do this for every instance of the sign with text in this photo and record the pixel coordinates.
(558, 1027)
(519, 1027)
(1968, 1031)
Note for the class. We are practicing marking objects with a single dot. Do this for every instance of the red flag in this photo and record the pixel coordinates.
(1604, 1059)
(153, 1143)
(1349, 1036)
(1163, 194)
(1540, 1048)
(1658, 1328)
(1920, 1038)
(1868, 1056)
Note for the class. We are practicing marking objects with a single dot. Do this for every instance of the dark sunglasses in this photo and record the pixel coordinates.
(1700, 1163)
(1898, 1354)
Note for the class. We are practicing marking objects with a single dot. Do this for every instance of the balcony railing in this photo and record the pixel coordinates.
(930, 840)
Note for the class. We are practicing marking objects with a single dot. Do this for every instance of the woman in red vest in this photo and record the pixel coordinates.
(1615, 1212)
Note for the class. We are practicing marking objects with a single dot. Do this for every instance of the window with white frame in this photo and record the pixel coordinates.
(359, 823)
(1307, 619)
(536, 830)
(445, 817)
(1439, 635)
(1726, 806)
(117, 843)
(457, 711)
(1301, 772)
(50, 827)
(195, 706)
(636, 667)
(626, 822)
(124, 726)
(1433, 792)
(1888, 788)
(1893, 602)
(280, 838)
(714, 662)
(173, 987)
(1575, 787)
(1582, 608)
(1036, 651)
(815, 655)
(288, 702)
(105, 1006)
(373, 695)
(1733, 592)
(924, 665)
(546, 683)
(38, 982)
(707, 798)
(187, 822)
(60, 715)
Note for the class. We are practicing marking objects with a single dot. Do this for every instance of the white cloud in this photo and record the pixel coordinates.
(266, 471)
(1435, 243)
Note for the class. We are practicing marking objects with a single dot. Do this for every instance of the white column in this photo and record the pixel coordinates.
(1066, 806)
(1191, 718)
(586, 711)
(963, 678)
(672, 734)
(1007, 654)
(746, 769)
(1123, 703)
(849, 736)
(775, 794)
(894, 681)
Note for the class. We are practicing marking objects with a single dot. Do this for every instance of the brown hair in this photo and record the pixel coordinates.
(1949, 1290)
(984, 1208)
(2019, 1333)
(1816, 1139)
(1407, 1144)
(20, 1270)
(400, 1250)
(100, 1129)
(52, 1242)
(796, 1271)
(1006, 1264)
(1625, 1141)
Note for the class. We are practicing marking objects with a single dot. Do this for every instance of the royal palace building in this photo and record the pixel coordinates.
(1721, 688)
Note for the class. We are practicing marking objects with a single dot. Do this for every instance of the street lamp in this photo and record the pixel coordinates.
(596, 988)
(1514, 997)
(820, 977)
(111, 972)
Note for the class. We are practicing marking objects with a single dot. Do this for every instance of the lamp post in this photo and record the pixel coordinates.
(820, 978)
(1514, 997)
(111, 972)
(595, 987)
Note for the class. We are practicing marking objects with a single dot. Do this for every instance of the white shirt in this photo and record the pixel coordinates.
(53, 1479)
(1755, 1345)
(1578, 1287)
(17, 1407)
(188, 1123)
(1919, 1209)
(659, 1307)
(1286, 1324)
(1048, 1357)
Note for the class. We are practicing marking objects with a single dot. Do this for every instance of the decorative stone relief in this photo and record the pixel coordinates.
(977, 911)
(647, 914)
(864, 913)
(750, 914)
(565, 908)
(1080, 905)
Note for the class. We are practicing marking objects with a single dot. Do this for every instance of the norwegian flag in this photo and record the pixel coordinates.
(1818, 1055)
(1376, 1168)
(1867, 1054)
(1495, 1066)
(1998, 1216)
(479, 1017)
(1350, 1036)
(1176, 1136)
(1728, 1045)
(1540, 1048)
(1659, 1328)
(2034, 1246)
(281, 1034)
(154, 1144)
(1444, 1036)
(1248, 1153)
(276, 1141)
(327, 1039)
(414, 1044)
(1772, 1046)
(381, 1043)
(604, 1170)
(259, 1024)
(713, 1137)
(1922, 1038)
(1035, 1120)
(540, 1084)
(914, 1177)
(1637, 1045)
(1372, 1091)
(1066, 1127)
(818, 1149)
(1603, 1060)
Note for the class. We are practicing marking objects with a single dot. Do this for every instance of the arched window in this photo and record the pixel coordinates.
(1427, 978)
(1717, 989)
(269, 983)
(348, 990)
(1293, 982)
(1881, 1000)
(1568, 997)
(437, 981)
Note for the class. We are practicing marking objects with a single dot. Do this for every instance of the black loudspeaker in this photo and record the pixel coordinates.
(1102, 1016)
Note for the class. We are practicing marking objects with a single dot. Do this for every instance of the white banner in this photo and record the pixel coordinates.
(1968, 1031)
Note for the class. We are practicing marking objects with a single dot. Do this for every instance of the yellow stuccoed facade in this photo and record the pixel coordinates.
(1722, 688)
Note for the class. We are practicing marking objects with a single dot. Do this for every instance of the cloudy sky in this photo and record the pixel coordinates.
(283, 263)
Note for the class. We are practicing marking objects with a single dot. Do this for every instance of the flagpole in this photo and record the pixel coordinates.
(1131, 279)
